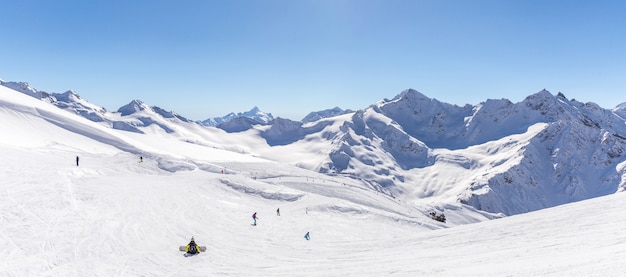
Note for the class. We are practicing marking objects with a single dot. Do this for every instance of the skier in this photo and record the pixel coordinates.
(306, 236)
(140, 159)
(278, 212)
(192, 248)
(254, 217)
(76, 160)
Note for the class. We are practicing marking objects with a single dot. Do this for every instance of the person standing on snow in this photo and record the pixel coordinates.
(306, 236)
(192, 247)
(254, 217)
(76, 160)
(278, 212)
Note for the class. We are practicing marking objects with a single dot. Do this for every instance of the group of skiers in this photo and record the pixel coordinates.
(192, 248)
(254, 217)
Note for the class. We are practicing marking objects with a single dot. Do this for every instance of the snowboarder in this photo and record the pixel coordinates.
(278, 212)
(192, 248)
(76, 160)
(306, 236)
(254, 217)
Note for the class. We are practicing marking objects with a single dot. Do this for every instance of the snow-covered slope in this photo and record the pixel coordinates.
(500, 157)
(116, 215)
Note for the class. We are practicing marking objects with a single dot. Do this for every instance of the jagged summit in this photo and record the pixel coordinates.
(540, 98)
(25, 88)
(255, 114)
(22, 87)
(133, 107)
(68, 96)
(412, 94)
(620, 110)
(315, 116)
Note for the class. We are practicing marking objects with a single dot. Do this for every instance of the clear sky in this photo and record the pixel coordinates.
(290, 57)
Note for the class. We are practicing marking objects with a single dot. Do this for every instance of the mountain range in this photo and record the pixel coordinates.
(499, 157)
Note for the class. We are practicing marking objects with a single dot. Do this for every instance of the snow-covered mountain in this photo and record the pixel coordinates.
(550, 150)
(128, 118)
(68, 100)
(25, 88)
(254, 114)
(620, 110)
(117, 214)
(499, 157)
(315, 116)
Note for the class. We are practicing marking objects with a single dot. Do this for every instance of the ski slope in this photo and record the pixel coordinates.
(116, 216)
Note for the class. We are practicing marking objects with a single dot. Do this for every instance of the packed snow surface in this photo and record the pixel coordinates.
(117, 215)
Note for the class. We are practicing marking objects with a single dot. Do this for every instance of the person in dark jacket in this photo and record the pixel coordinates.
(76, 160)
(192, 247)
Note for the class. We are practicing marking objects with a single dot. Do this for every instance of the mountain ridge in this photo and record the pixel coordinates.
(255, 114)
(503, 157)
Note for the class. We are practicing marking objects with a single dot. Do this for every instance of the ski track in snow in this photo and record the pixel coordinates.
(116, 217)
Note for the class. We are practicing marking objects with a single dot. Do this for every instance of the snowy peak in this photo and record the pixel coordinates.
(412, 95)
(137, 115)
(437, 124)
(620, 110)
(133, 107)
(130, 117)
(315, 116)
(411, 99)
(68, 96)
(22, 87)
(137, 106)
(254, 110)
(169, 114)
(69, 100)
(25, 88)
(542, 100)
(72, 102)
(255, 114)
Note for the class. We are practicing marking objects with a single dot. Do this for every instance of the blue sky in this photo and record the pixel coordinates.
(208, 58)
